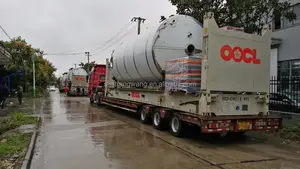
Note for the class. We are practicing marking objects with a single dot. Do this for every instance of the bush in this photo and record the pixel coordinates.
(291, 132)
(39, 92)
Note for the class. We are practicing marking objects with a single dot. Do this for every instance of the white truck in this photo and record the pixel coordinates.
(63, 82)
(220, 77)
(77, 82)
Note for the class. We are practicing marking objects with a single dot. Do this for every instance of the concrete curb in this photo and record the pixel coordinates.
(30, 151)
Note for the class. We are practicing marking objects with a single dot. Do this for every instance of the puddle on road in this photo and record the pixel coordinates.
(111, 146)
(60, 110)
(100, 141)
(77, 135)
(29, 106)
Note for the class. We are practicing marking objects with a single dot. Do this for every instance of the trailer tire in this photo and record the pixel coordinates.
(144, 116)
(176, 126)
(99, 100)
(91, 100)
(158, 122)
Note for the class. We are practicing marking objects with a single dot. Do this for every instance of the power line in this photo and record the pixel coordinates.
(70, 52)
(112, 38)
(116, 41)
(119, 39)
(115, 37)
(5, 32)
(61, 54)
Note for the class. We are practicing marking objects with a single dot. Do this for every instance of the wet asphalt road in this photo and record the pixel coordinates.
(76, 135)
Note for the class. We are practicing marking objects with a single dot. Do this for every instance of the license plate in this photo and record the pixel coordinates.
(261, 123)
(244, 125)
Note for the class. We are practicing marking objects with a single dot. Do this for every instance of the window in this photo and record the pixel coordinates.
(102, 77)
(289, 75)
(277, 22)
(295, 68)
(284, 68)
(284, 23)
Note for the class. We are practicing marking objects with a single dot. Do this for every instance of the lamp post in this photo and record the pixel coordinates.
(33, 73)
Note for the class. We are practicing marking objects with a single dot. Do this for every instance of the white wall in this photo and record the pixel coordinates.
(273, 62)
(273, 69)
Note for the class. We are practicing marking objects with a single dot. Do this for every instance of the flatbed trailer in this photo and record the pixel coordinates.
(234, 95)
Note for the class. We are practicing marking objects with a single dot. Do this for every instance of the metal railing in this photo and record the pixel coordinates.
(285, 93)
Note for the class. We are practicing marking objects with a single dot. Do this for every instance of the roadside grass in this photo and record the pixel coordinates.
(291, 132)
(17, 119)
(14, 144)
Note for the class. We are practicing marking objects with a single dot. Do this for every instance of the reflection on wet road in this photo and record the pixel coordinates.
(29, 106)
(76, 135)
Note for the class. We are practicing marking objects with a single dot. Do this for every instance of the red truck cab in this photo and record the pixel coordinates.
(96, 79)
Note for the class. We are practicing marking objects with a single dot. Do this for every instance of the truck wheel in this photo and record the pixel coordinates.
(158, 122)
(91, 100)
(144, 117)
(176, 126)
(99, 100)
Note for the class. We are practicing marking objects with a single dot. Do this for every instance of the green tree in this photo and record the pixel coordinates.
(22, 54)
(252, 15)
(85, 65)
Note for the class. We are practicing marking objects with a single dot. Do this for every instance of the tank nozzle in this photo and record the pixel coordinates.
(190, 49)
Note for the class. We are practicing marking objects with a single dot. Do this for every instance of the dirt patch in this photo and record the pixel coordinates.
(291, 132)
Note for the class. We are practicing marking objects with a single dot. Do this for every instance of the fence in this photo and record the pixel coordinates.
(285, 93)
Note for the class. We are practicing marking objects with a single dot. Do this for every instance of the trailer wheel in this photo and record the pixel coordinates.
(99, 100)
(158, 122)
(91, 100)
(176, 126)
(144, 117)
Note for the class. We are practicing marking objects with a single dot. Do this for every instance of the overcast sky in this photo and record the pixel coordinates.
(71, 26)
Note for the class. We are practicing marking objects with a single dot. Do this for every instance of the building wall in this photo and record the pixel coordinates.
(273, 62)
(289, 34)
(289, 49)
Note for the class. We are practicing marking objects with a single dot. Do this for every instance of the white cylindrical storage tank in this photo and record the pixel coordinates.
(76, 72)
(64, 77)
(143, 59)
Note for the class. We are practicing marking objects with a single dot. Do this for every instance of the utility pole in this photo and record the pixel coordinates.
(139, 20)
(75, 65)
(33, 72)
(88, 58)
